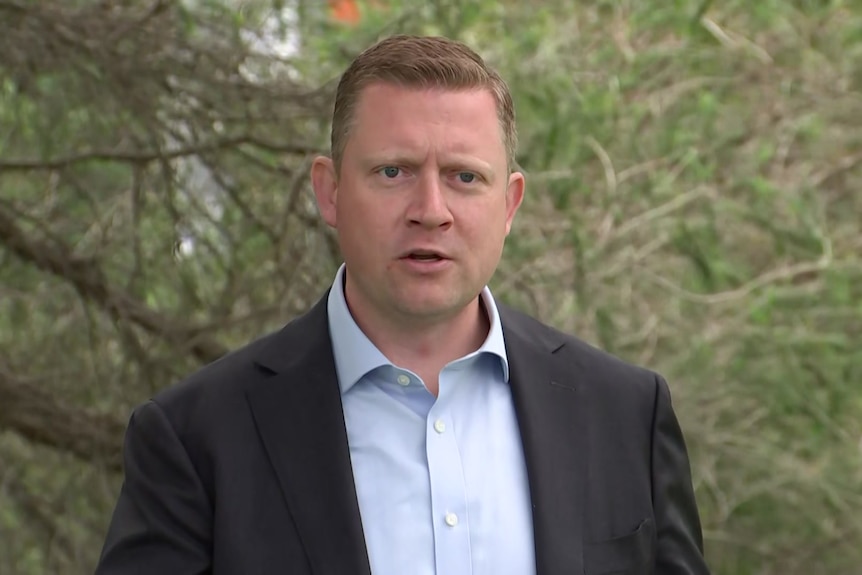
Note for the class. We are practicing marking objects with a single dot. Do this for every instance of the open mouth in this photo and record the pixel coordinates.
(425, 257)
(422, 257)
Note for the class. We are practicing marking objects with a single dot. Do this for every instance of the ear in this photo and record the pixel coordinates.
(325, 184)
(514, 197)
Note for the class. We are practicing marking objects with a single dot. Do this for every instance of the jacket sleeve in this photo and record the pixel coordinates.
(162, 522)
(679, 535)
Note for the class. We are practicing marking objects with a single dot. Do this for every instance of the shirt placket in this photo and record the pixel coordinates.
(448, 493)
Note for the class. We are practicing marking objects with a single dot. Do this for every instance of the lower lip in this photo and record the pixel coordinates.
(426, 266)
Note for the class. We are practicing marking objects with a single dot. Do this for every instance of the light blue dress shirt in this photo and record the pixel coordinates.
(441, 482)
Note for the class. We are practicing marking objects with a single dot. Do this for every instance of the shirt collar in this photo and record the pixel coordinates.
(355, 354)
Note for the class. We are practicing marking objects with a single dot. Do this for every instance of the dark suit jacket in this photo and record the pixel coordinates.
(244, 468)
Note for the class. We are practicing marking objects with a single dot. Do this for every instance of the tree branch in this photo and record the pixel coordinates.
(151, 155)
(40, 512)
(34, 414)
(87, 277)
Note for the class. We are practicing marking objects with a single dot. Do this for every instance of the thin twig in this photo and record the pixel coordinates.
(151, 155)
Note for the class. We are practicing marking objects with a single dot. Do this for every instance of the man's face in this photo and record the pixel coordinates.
(423, 201)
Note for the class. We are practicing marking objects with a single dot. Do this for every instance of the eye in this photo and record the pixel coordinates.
(467, 177)
(390, 172)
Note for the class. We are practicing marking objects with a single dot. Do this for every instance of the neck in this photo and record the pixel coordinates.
(427, 347)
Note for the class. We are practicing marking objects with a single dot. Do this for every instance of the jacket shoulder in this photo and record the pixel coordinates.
(604, 368)
(215, 387)
(227, 378)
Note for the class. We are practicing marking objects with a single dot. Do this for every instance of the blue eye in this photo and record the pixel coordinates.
(467, 177)
(391, 171)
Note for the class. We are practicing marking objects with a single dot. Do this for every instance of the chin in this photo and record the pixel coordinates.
(433, 307)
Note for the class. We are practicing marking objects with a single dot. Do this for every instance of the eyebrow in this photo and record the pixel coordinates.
(394, 158)
(453, 160)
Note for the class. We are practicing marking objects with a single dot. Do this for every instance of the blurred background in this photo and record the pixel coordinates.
(694, 205)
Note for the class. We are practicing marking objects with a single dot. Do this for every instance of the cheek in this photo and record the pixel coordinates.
(485, 218)
(484, 235)
(368, 224)
(354, 208)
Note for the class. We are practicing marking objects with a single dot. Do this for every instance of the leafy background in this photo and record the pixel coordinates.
(694, 205)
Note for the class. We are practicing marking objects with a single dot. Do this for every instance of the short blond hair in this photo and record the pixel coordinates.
(420, 62)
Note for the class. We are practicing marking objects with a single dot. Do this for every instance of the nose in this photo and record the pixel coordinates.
(429, 207)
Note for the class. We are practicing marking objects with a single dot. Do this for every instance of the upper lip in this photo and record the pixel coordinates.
(424, 252)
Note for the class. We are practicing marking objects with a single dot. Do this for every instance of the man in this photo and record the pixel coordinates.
(407, 424)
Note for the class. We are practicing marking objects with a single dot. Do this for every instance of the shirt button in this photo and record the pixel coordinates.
(451, 519)
(440, 427)
(403, 380)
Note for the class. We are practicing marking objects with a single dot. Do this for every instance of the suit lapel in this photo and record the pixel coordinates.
(299, 418)
(550, 404)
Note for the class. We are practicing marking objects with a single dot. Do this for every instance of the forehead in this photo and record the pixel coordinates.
(391, 115)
